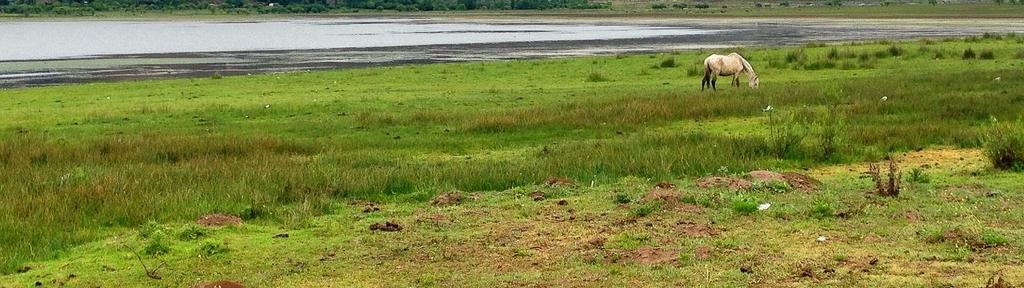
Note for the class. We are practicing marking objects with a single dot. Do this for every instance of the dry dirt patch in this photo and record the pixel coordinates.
(450, 198)
(220, 284)
(555, 181)
(219, 220)
(733, 183)
(655, 256)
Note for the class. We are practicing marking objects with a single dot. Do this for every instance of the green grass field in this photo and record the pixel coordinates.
(92, 172)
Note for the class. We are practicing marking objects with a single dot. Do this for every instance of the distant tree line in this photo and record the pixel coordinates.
(88, 7)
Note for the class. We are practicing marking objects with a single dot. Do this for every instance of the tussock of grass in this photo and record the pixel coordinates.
(596, 76)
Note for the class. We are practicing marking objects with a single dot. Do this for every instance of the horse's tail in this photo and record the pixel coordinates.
(707, 75)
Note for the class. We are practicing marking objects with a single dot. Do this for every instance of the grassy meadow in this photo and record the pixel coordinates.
(91, 172)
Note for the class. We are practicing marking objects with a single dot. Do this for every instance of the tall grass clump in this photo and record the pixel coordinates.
(987, 55)
(597, 76)
(795, 56)
(969, 54)
(895, 51)
(694, 70)
(1004, 146)
(668, 62)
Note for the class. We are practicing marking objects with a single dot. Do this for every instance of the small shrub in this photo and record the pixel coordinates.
(216, 75)
(968, 54)
(744, 205)
(668, 62)
(822, 210)
(659, 6)
(192, 232)
(917, 175)
(149, 229)
(987, 55)
(645, 209)
(993, 239)
(895, 51)
(1004, 146)
(831, 131)
(702, 5)
(886, 188)
(211, 248)
(596, 76)
(679, 5)
(156, 245)
(623, 198)
(939, 55)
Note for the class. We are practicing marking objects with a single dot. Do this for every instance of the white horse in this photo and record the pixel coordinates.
(729, 65)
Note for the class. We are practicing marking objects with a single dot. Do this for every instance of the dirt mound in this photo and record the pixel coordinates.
(386, 227)
(702, 253)
(690, 228)
(450, 198)
(801, 182)
(733, 183)
(371, 207)
(670, 195)
(555, 181)
(218, 220)
(665, 185)
(537, 196)
(765, 176)
(220, 284)
(654, 256)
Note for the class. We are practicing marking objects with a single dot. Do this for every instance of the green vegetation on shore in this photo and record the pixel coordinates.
(90, 161)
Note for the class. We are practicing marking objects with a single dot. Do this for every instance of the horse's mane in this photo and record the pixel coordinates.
(746, 65)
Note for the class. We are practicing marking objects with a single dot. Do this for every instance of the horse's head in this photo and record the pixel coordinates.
(754, 82)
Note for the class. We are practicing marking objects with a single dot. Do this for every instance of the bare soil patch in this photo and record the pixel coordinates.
(219, 220)
(801, 182)
(450, 198)
(733, 183)
(670, 195)
(386, 227)
(371, 207)
(690, 228)
(220, 284)
(555, 181)
(655, 256)
(765, 176)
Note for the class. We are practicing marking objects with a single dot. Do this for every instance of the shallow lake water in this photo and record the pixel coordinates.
(49, 52)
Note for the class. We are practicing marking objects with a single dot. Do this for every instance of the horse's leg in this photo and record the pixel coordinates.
(704, 81)
(714, 83)
(736, 80)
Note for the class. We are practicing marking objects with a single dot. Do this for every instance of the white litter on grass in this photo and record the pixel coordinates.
(997, 79)
(885, 98)
(267, 107)
(768, 109)
(822, 239)
(764, 206)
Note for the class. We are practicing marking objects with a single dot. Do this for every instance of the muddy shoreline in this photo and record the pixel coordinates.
(742, 32)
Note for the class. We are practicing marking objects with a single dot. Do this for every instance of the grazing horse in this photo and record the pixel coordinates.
(729, 65)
